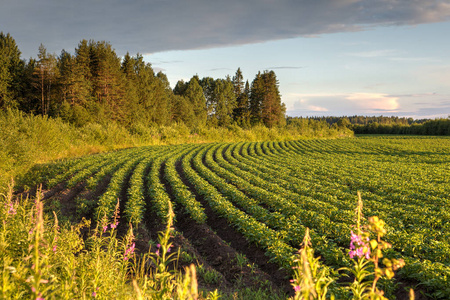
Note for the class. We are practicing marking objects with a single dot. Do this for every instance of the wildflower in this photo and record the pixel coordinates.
(11, 209)
(129, 251)
(54, 249)
(94, 294)
(157, 252)
(114, 225)
(358, 247)
(105, 228)
(297, 288)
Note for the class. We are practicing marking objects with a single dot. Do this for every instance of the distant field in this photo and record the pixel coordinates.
(265, 195)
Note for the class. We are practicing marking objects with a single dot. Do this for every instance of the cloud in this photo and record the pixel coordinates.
(342, 104)
(284, 68)
(375, 53)
(157, 25)
(219, 69)
(374, 102)
(418, 106)
(317, 108)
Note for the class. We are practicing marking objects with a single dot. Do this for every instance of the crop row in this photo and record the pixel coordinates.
(272, 191)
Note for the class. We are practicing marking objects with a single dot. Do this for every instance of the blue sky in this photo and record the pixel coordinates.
(401, 70)
(331, 57)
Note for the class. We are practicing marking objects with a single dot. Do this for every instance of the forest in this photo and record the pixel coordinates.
(96, 85)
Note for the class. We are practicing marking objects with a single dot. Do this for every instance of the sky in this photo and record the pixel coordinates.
(331, 57)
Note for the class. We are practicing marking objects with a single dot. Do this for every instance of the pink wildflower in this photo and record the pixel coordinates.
(358, 247)
(297, 288)
(114, 225)
(129, 251)
(104, 228)
(11, 209)
(54, 249)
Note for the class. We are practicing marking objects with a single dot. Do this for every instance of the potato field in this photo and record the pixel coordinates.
(258, 198)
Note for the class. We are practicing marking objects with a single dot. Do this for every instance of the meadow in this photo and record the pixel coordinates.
(241, 212)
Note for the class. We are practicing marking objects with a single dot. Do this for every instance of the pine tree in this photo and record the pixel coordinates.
(272, 113)
(11, 72)
(45, 78)
(256, 98)
(194, 93)
(107, 80)
(208, 86)
(241, 91)
(225, 101)
(265, 100)
(182, 110)
(153, 93)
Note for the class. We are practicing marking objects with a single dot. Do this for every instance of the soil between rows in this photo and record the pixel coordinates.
(223, 244)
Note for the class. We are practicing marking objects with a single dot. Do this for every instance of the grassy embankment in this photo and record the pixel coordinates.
(26, 140)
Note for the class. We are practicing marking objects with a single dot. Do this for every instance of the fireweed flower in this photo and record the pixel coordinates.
(297, 288)
(358, 247)
(129, 252)
(114, 225)
(11, 209)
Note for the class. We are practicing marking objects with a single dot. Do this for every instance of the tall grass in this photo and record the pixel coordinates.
(42, 259)
(26, 140)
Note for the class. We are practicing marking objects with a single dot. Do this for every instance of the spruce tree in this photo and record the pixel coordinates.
(224, 101)
(256, 98)
(194, 93)
(11, 72)
(241, 91)
(265, 100)
(272, 113)
(45, 77)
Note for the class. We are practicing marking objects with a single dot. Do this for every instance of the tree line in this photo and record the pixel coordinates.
(96, 85)
(387, 125)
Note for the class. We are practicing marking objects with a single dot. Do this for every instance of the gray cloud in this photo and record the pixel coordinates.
(158, 25)
(284, 68)
(219, 69)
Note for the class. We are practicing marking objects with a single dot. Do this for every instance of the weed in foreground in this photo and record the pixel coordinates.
(41, 259)
(311, 280)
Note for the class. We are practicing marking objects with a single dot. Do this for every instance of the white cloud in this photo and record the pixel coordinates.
(317, 108)
(343, 104)
(375, 53)
(374, 102)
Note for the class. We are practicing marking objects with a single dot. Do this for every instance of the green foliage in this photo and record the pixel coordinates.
(11, 67)
(265, 100)
(272, 192)
(43, 259)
